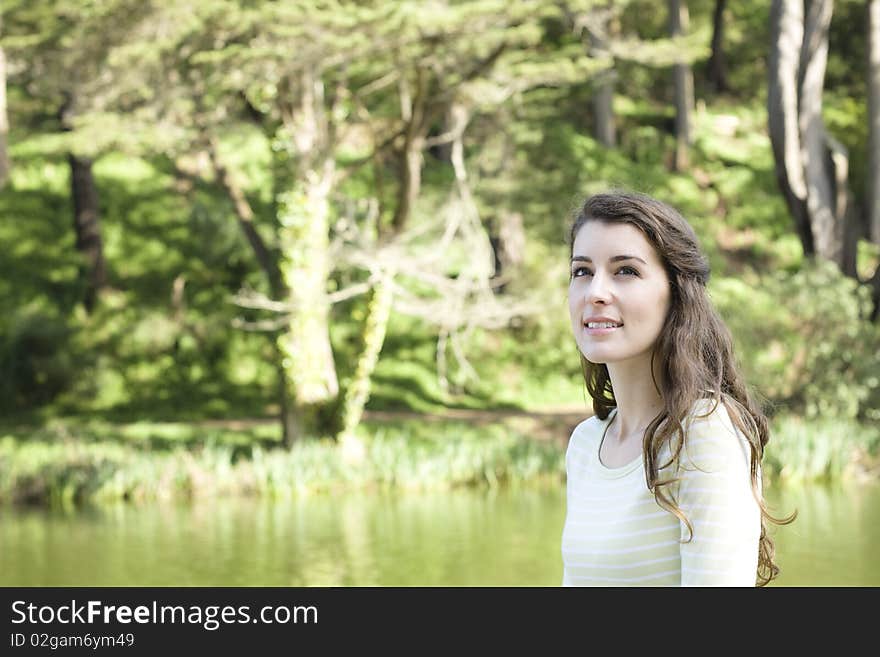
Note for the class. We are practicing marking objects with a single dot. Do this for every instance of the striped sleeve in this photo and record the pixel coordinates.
(715, 495)
(566, 577)
(572, 446)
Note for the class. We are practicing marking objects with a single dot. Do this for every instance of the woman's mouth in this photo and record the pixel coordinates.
(601, 328)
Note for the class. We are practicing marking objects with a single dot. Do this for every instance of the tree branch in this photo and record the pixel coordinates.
(245, 215)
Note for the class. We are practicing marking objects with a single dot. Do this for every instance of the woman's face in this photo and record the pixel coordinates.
(616, 275)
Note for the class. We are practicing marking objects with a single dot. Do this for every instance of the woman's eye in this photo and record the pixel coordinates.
(577, 272)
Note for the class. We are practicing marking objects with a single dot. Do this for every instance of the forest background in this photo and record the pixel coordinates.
(254, 247)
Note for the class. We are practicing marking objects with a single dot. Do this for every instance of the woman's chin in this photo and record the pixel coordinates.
(596, 356)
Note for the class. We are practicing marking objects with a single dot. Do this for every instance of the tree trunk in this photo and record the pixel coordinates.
(812, 166)
(87, 226)
(245, 215)
(873, 177)
(307, 358)
(86, 215)
(309, 372)
(603, 103)
(819, 166)
(410, 180)
(874, 284)
(290, 425)
(358, 392)
(872, 195)
(413, 112)
(603, 86)
(289, 415)
(684, 89)
(443, 151)
(787, 35)
(4, 122)
(717, 61)
(508, 240)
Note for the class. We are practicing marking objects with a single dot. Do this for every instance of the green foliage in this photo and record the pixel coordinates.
(747, 36)
(804, 343)
(803, 450)
(35, 360)
(846, 117)
(149, 75)
(406, 376)
(847, 43)
(145, 362)
(71, 464)
(405, 456)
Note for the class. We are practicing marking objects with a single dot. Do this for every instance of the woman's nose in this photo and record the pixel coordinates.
(597, 291)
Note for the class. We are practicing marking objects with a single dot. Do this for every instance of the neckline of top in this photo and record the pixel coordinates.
(620, 471)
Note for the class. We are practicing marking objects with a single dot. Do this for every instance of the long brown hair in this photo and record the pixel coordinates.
(695, 352)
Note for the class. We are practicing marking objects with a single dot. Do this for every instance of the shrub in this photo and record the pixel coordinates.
(36, 363)
(804, 341)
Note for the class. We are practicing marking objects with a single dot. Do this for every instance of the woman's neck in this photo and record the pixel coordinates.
(638, 400)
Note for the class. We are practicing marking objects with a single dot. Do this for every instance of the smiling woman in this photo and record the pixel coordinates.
(664, 482)
(616, 260)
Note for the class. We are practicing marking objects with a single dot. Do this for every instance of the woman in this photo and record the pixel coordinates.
(664, 481)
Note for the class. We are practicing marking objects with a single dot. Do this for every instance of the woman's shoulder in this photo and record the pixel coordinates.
(710, 418)
(588, 430)
(584, 442)
(712, 434)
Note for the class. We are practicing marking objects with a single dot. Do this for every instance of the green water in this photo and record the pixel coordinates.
(461, 538)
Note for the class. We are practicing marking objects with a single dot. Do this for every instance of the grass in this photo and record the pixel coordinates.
(142, 462)
(68, 464)
(822, 450)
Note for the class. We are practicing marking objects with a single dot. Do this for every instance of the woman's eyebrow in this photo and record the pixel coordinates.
(616, 258)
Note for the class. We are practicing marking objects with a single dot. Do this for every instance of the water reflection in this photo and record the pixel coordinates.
(450, 538)
(459, 538)
(835, 540)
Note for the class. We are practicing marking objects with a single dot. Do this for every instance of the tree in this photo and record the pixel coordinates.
(873, 192)
(4, 121)
(811, 165)
(718, 61)
(86, 216)
(61, 51)
(199, 74)
(684, 89)
(873, 178)
(298, 103)
(599, 21)
(602, 26)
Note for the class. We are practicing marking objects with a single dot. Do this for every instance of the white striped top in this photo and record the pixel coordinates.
(616, 534)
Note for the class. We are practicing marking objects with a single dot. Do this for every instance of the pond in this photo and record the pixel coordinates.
(458, 538)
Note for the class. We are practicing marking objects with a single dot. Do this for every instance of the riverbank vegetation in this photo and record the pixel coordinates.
(199, 230)
(62, 465)
(151, 463)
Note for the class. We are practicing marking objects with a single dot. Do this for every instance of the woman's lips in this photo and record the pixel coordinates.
(600, 331)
